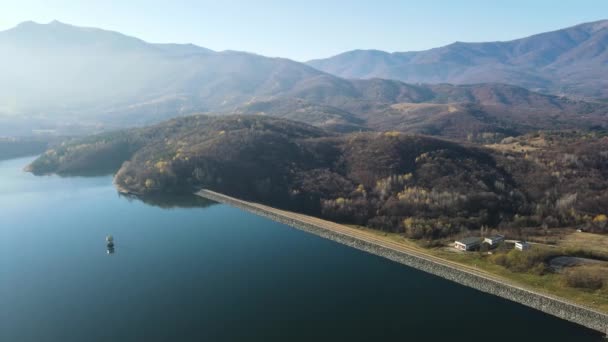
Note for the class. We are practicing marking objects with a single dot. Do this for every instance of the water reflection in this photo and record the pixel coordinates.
(171, 201)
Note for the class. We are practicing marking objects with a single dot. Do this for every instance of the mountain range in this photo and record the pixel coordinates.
(66, 77)
(570, 61)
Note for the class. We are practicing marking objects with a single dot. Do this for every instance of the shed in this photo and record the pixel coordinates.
(467, 244)
(494, 240)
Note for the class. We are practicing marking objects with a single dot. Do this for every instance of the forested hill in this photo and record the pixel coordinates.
(453, 111)
(421, 185)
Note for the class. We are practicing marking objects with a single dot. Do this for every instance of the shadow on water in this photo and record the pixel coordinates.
(171, 201)
(92, 172)
(79, 174)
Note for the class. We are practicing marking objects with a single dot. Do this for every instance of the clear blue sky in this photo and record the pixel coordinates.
(303, 30)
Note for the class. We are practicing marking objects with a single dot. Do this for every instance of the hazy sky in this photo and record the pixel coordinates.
(303, 30)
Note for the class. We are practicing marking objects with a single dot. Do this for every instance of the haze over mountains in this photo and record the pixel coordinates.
(73, 78)
(571, 61)
(60, 70)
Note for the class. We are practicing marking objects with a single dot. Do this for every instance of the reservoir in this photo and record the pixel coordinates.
(185, 269)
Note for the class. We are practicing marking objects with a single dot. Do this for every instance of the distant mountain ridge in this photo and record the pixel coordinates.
(573, 60)
(32, 35)
(65, 76)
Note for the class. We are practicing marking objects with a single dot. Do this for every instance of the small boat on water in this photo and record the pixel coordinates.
(110, 244)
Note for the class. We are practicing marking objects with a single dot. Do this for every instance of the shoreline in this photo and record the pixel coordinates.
(446, 269)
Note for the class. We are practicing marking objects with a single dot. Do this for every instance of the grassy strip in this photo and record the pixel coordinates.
(550, 283)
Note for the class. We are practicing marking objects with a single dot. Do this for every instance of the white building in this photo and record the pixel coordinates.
(522, 245)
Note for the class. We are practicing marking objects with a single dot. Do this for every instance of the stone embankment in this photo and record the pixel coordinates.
(412, 257)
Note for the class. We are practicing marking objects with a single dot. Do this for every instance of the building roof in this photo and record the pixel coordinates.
(469, 240)
(495, 237)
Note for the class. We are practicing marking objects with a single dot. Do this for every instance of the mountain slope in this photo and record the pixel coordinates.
(573, 60)
(59, 69)
(446, 110)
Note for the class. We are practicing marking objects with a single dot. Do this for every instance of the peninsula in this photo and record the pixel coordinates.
(413, 191)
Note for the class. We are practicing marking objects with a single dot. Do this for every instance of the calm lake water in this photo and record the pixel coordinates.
(188, 270)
